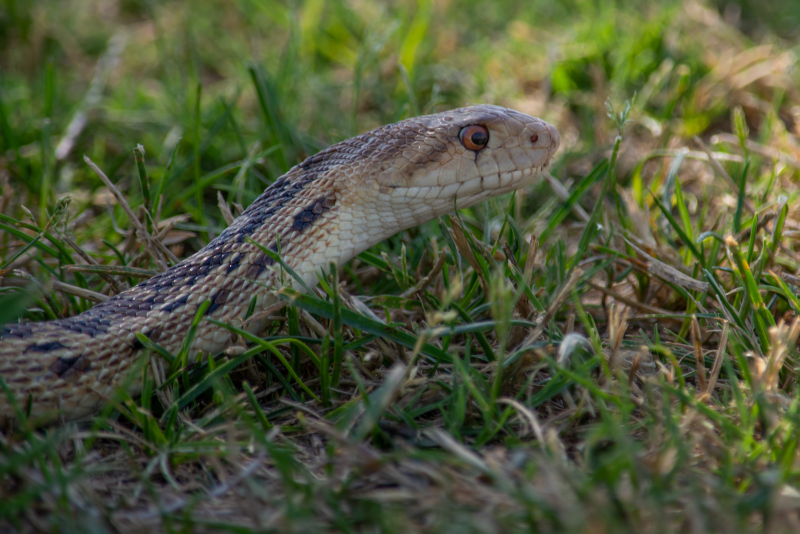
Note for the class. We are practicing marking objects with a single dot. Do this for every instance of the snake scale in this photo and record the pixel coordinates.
(329, 208)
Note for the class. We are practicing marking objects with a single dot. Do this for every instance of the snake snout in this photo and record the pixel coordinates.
(555, 139)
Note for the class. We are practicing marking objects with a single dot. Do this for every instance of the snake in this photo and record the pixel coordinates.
(329, 208)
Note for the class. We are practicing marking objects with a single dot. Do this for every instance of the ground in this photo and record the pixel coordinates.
(612, 349)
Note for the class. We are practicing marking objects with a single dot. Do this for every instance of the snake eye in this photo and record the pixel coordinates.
(474, 137)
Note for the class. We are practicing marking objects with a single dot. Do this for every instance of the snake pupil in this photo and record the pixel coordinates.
(480, 138)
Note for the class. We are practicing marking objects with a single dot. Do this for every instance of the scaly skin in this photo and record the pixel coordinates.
(331, 207)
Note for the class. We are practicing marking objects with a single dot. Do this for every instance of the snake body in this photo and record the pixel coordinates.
(329, 208)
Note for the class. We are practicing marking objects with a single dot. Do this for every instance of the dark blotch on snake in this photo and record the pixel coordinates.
(45, 347)
(177, 303)
(63, 366)
(311, 213)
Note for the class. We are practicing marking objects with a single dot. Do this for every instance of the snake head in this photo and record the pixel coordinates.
(428, 164)
(362, 190)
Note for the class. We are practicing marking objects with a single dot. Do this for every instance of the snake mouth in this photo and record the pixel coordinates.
(475, 189)
(479, 189)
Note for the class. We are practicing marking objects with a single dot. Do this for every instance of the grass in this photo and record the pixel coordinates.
(617, 355)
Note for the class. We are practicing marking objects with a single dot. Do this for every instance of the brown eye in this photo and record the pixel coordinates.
(474, 137)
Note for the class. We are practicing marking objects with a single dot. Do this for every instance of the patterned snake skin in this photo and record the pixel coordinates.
(330, 207)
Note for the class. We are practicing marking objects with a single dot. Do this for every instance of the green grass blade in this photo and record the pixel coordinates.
(365, 324)
(565, 209)
(684, 237)
(144, 179)
(337, 327)
(763, 318)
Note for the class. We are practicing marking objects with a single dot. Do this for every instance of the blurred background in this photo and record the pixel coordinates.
(239, 91)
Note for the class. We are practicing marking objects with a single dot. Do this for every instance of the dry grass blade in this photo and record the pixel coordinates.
(168, 236)
(313, 324)
(459, 451)
(427, 279)
(79, 292)
(696, 154)
(150, 244)
(262, 315)
(617, 326)
(791, 279)
(718, 359)
(562, 193)
(667, 315)
(530, 260)
(466, 251)
(555, 305)
(766, 151)
(112, 269)
(784, 342)
(668, 273)
(91, 261)
(385, 395)
(699, 360)
(526, 415)
(224, 209)
(103, 70)
(636, 364)
(717, 167)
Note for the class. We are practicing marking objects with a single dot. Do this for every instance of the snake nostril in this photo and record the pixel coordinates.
(534, 138)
